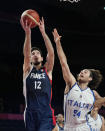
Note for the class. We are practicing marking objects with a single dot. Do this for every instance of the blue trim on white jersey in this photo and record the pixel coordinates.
(70, 89)
(93, 95)
(74, 85)
(65, 108)
(83, 89)
(87, 123)
(94, 99)
(100, 118)
(66, 99)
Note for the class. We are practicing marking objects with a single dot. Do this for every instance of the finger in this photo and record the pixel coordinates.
(53, 33)
(38, 24)
(60, 37)
(21, 21)
(55, 30)
(30, 24)
(42, 20)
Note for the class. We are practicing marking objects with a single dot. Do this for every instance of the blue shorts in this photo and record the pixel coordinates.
(35, 121)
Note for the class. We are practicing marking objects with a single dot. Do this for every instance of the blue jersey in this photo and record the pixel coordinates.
(38, 90)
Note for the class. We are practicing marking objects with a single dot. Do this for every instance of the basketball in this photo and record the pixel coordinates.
(31, 16)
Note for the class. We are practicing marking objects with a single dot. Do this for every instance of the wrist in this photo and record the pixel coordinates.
(28, 33)
(43, 32)
(57, 40)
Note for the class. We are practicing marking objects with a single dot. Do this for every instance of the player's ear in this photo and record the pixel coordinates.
(42, 58)
(90, 78)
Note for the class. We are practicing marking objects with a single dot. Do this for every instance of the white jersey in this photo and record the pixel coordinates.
(77, 103)
(95, 125)
(59, 128)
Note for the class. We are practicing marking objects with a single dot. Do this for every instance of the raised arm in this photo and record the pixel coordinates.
(27, 46)
(67, 75)
(50, 56)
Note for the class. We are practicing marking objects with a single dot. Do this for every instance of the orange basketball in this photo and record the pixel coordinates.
(31, 16)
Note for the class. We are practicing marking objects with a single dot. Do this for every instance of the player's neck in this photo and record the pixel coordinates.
(83, 86)
(94, 116)
(61, 124)
(38, 66)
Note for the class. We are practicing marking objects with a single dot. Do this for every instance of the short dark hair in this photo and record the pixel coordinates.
(36, 48)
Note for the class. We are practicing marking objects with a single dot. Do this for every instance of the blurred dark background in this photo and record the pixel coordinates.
(82, 26)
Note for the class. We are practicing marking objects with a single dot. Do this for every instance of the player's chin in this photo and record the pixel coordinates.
(81, 80)
(37, 63)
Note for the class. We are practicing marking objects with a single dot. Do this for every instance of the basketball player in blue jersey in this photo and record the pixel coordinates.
(78, 97)
(95, 120)
(37, 90)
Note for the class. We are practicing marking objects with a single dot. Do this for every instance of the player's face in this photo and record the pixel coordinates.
(36, 57)
(84, 76)
(95, 110)
(60, 118)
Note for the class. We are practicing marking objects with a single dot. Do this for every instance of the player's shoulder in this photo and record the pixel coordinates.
(27, 72)
(68, 88)
(96, 94)
(48, 72)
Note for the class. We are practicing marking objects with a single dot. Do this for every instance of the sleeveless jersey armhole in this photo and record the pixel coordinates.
(47, 74)
(93, 98)
(24, 82)
(70, 89)
(27, 74)
(101, 118)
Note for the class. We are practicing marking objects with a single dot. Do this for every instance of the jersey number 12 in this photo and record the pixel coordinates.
(38, 85)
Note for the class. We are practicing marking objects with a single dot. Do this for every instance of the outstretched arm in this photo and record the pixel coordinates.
(50, 56)
(27, 46)
(99, 102)
(98, 97)
(67, 75)
(26, 50)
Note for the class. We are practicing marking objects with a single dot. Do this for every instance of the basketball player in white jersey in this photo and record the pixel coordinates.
(60, 122)
(78, 97)
(95, 120)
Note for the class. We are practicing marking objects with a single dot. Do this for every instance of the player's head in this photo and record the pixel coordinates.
(36, 56)
(91, 76)
(96, 78)
(95, 110)
(60, 118)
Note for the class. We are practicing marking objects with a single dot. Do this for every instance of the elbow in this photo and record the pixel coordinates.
(51, 54)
